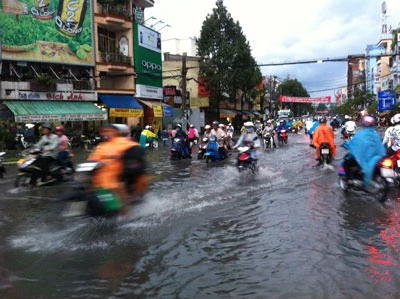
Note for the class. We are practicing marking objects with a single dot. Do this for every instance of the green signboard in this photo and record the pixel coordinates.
(53, 31)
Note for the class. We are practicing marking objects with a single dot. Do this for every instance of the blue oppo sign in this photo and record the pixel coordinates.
(386, 99)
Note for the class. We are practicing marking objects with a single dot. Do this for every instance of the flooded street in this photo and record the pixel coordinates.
(205, 232)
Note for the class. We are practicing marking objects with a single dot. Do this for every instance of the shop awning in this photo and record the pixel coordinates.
(122, 105)
(160, 109)
(49, 111)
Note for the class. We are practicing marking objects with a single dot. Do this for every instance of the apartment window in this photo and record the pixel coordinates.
(107, 41)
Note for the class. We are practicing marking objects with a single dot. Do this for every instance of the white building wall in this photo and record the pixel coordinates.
(178, 46)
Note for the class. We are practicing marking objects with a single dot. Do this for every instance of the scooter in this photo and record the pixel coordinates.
(177, 149)
(283, 138)
(245, 161)
(214, 152)
(390, 168)
(85, 200)
(2, 169)
(23, 141)
(29, 170)
(325, 156)
(202, 148)
(378, 186)
(268, 140)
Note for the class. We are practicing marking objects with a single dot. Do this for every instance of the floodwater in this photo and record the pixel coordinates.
(203, 231)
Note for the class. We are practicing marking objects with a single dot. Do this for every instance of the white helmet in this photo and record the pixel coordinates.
(147, 127)
(248, 124)
(123, 129)
(346, 117)
(207, 127)
(396, 118)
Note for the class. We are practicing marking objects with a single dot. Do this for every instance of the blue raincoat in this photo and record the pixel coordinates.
(367, 149)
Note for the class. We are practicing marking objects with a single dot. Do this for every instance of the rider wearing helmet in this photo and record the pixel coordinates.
(48, 143)
(63, 148)
(348, 126)
(387, 137)
(321, 134)
(269, 128)
(395, 136)
(123, 171)
(220, 134)
(249, 138)
(146, 134)
(365, 150)
(281, 126)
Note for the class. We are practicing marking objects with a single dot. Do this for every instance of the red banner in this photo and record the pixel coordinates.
(287, 99)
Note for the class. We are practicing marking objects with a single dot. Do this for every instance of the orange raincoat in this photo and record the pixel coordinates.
(324, 133)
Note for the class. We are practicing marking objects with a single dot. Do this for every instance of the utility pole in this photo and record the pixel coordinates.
(184, 73)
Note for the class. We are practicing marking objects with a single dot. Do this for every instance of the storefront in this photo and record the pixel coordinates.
(154, 113)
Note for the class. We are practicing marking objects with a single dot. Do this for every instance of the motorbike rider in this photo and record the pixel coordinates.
(281, 126)
(249, 138)
(324, 133)
(315, 124)
(124, 166)
(334, 123)
(269, 128)
(365, 150)
(63, 148)
(48, 143)
(193, 134)
(184, 139)
(207, 131)
(395, 138)
(349, 126)
(387, 137)
(230, 130)
(146, 134)
(220, 134)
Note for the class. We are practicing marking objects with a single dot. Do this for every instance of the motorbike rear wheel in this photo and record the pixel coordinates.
(379, 188)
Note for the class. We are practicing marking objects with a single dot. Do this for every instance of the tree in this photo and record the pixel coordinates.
(227, 66)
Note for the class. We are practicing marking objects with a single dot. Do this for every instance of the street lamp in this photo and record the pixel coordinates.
(161, 22)
(163, 27)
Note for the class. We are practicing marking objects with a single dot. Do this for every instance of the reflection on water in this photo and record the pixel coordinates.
(204, 232)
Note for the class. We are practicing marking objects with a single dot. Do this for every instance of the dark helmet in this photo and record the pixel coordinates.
(47, 126)
(322, 120)
(368, 121)
(178, 127)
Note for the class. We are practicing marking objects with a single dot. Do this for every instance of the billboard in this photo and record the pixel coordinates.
(148, 63)
(287, 99)
(52, 31)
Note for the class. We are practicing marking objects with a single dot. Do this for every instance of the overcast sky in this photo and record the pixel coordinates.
(287, 30)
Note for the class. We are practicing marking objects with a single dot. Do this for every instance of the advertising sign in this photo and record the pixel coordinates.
(148, 63)
(126, 112)
(168, 112)
(386, 100)
(53, 31)
(286, 99)
(158, 111)
(58, 117)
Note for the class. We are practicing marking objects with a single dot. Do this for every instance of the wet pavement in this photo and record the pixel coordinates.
(203, 231)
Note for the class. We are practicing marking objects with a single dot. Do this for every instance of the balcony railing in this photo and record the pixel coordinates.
(115, 58)
(115, 10)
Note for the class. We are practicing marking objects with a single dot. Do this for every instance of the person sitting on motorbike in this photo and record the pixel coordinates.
(395, 136)
(207, 131)
(185, 140)
(63, 148)
(365, 150)
(193, 134)
(48, 143)
(269, 129)
(334, 123)
(249, 138)
(230, 130)
(145, 135)
(314, 125)
(281, 126)
(124, 166)
(220, 134)
(349, 126)
(388, 136)
(321, 134)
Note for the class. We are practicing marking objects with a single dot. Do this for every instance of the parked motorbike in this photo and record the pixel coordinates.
(245, 161)
(24, 141)
(29, 170)
(378, 187)
(283, 138)
(268, 140)
(2, 168)
(84, 200)
(202, 148)
(177, 148)
(90, 142)
(213, 151)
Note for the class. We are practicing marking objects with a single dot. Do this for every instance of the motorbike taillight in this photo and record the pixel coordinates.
(387, 163)
(243, 156)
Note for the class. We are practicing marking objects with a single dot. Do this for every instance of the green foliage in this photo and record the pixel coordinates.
(226, 61)
(294, 88)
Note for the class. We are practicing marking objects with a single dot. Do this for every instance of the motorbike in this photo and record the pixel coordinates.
(151, 143)
(390, 168)
(283, 138)
(202, 148)
(213, 151)
(268, 140)
(378, 187)
(2, 168)
(245, 161)
(29, 170)
(89, 143)
(84, 200)
(325, 154)
(24, 141)
(177, 148)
